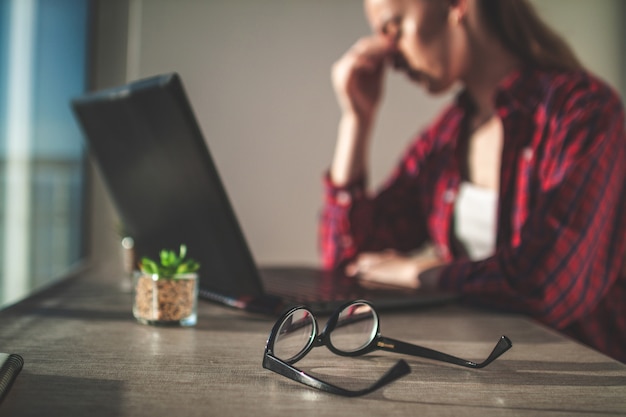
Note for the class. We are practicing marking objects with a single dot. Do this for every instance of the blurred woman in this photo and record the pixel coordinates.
(519, 186)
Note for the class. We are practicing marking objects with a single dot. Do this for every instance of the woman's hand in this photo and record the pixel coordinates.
(358, 76)
(392, 268)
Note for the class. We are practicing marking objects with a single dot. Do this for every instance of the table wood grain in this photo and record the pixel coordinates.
(85, 355)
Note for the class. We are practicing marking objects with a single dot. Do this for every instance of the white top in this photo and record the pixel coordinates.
(475, 214)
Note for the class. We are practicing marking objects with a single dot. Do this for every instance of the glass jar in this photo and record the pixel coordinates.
(165, 301)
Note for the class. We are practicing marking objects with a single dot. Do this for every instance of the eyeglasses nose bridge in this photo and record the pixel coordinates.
(319, 340)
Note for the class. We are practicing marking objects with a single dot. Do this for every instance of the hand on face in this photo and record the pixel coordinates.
(358, 75)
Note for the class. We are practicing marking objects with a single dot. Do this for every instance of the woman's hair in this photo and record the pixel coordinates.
(523, 33)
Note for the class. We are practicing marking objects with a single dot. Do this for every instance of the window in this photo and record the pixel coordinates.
(42, 66)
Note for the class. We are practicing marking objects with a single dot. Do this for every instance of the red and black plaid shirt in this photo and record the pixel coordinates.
(561, 234)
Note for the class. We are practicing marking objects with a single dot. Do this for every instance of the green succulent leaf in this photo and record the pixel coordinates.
(170, 265)
(149, 266)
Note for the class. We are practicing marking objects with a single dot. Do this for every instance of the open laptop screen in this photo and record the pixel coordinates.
(158, 170)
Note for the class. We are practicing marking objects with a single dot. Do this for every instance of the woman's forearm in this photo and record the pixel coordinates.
(350, 161)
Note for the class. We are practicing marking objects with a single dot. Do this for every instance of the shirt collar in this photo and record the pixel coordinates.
(520, 90)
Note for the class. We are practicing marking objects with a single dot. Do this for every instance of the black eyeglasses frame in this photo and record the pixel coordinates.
(378, 342)
(388, 344)
(286, 368)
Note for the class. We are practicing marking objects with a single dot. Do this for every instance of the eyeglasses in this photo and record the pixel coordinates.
(352, 330)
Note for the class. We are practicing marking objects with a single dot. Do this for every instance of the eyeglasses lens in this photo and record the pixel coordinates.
(356, 327)
(295, 335)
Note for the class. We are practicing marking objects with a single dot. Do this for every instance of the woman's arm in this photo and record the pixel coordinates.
(353, 222)
(358, 82)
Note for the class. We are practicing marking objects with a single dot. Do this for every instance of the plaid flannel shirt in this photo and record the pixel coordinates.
(561, 229)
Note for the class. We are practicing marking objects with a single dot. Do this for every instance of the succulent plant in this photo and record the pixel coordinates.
(170, 264)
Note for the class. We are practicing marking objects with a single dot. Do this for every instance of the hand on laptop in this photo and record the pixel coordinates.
(393, 268)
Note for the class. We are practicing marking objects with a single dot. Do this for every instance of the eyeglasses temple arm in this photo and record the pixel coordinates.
(391, 345)
(272, 363)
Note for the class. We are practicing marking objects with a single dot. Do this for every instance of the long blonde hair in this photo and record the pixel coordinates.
(521, 30)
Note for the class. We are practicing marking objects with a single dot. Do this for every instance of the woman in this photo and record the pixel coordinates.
(519, 185)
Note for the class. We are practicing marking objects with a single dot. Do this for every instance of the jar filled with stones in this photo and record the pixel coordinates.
(166, 292)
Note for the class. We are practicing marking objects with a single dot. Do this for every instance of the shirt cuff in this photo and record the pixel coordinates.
(449, 279)
(343, 195)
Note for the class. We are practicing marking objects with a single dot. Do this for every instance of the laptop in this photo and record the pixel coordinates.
(159, 172)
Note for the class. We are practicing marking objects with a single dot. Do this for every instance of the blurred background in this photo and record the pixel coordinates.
(257, 73)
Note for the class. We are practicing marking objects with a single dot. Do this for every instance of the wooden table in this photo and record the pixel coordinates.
(86, 356)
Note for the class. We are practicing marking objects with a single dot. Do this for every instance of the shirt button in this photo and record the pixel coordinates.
(343, 198)
(449, 196)
(527, 154)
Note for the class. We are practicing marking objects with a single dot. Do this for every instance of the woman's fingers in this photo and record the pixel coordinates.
(386, 267)
(357, 76)
(368, 260)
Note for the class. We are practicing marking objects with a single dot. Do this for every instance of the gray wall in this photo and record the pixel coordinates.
(257, 73)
